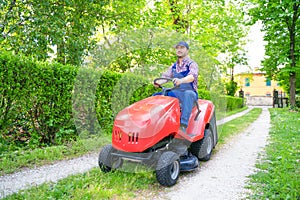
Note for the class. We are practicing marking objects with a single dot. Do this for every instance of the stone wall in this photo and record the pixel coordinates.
(259, 101)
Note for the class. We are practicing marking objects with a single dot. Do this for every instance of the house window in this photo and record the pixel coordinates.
(268, 82)
(268, 94)
(247, 82)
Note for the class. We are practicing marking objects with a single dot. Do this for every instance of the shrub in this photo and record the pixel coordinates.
(44, 103)
(35, 99)
(234, 103)
(222, 102)
(204, 94)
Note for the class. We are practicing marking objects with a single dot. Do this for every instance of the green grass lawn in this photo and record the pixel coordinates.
(278, 176)
(118, 185)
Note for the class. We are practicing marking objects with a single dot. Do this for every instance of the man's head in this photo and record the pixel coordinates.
(182, 49)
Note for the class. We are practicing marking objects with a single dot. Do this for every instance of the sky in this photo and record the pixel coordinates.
(255, 45)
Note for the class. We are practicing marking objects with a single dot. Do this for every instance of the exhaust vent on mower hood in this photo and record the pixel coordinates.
(133, 138)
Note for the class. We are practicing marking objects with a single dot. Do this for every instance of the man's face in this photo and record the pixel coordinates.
(181, 51)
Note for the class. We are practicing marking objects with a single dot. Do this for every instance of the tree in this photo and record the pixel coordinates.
(35, 27)
(211, 27)
(71, 27)
(281, 26)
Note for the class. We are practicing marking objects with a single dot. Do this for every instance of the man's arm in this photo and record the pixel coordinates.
(193, 74)
(188, 79)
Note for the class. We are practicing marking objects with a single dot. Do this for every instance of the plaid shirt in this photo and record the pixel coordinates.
(182, 68)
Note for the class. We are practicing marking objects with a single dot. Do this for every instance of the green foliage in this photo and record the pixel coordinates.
(298, 101)
(279, 169)
(104, 95)
(234, 103)
(67, 31)
(283, 41)
(91, 99)
(223, 103)
(119, 91)
(210, 27)
(231, 88)
(42, 103)
(204, 94)
(34, 28)
(35, 101)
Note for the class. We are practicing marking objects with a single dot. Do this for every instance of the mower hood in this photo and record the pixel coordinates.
(144, 123)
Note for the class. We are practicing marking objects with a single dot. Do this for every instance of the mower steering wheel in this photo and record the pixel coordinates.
(164, 90)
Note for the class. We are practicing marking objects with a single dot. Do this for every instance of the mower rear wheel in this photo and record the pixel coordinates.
(203, 148)
(168, 169)
(105, 159)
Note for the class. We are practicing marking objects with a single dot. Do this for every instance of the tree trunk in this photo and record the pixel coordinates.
(293, 89)
(292, 30)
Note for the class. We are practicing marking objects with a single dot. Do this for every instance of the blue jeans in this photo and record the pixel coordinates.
(187, 99)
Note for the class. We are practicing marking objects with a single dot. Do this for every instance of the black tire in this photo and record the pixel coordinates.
(105, 159)
(203, 148)
(168, 169)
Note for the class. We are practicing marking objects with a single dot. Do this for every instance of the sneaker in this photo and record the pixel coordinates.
(183, 128)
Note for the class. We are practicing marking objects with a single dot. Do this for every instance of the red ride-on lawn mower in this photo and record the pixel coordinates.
(148, 132)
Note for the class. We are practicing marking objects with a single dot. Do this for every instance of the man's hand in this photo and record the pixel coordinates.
(177, 81)
(187, 79)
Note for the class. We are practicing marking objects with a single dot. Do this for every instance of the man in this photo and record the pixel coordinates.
(185, 75)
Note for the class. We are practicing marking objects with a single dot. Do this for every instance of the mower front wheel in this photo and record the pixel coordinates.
(168, 169)
(105, 158)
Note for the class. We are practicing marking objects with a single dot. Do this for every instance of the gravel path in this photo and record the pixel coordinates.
(222, 177)
(31, 177)
(229, 118)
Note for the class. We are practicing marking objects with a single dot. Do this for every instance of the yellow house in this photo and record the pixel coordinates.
(257, 88)
(257, 84)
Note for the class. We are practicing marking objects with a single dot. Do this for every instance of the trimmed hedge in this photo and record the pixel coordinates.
(35, 100)
(233, 103)
(222, 102)
(44, 103)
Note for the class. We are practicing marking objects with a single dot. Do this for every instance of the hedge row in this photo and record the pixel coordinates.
(222, 102)
(44, 103)
(35, 100)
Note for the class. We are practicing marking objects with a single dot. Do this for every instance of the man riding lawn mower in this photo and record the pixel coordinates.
(169, 131)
